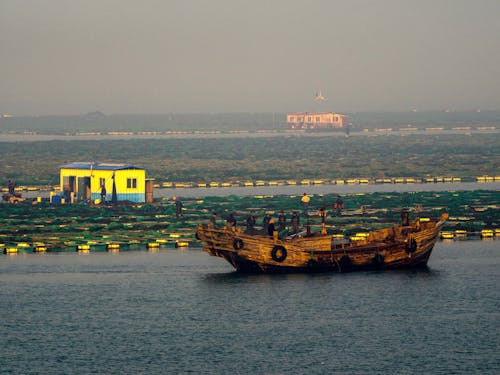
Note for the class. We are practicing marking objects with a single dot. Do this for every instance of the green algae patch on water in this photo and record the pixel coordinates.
(63, 228)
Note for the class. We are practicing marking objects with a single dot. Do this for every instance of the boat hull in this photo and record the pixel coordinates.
(245, 265)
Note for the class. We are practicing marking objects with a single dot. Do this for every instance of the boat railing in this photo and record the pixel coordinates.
(391, 234)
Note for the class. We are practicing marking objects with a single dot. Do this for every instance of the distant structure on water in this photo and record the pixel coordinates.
(315, 120)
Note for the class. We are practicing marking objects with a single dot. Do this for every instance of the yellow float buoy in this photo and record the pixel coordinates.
(487, 233)
(447, 235)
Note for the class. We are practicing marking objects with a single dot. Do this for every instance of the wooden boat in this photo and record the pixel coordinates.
(388, 248)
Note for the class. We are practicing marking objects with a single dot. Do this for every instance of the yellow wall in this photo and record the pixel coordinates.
(121, 176)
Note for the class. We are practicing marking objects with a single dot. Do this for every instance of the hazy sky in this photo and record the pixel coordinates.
(129, 56)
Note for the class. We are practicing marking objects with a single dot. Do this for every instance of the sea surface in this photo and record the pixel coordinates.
(184, 311)
(196, 192)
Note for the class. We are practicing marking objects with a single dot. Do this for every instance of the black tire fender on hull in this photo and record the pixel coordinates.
(238, 244)
(278, 253)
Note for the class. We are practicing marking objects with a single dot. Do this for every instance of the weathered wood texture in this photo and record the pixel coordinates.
(386, 248)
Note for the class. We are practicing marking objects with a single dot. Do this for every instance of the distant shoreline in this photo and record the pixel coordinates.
(130, 135)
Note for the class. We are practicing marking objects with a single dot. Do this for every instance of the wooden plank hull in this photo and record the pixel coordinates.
(391, 248)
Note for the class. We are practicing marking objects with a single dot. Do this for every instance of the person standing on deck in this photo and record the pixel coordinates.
(281, 221)
(405, 221)
(250, 223)
(231, 221)
(265, 222)
(271, 228)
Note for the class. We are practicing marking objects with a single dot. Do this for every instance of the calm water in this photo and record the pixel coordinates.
(320, 189)
(196, 192)
(184, 311)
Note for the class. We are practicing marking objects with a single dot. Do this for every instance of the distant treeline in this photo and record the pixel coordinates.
(99, 122)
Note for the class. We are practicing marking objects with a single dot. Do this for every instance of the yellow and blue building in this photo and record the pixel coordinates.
(85, 181)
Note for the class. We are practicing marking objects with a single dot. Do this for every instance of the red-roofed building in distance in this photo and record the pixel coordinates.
(315, 120)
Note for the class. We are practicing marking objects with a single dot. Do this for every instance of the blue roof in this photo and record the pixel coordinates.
(98, 166)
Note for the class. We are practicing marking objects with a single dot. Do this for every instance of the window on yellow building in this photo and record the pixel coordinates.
(131, 183)
(317, 119)
(291, 118)
(102, 181)
(309, 119)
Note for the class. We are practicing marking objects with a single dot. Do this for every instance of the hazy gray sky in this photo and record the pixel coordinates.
(129, 56)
